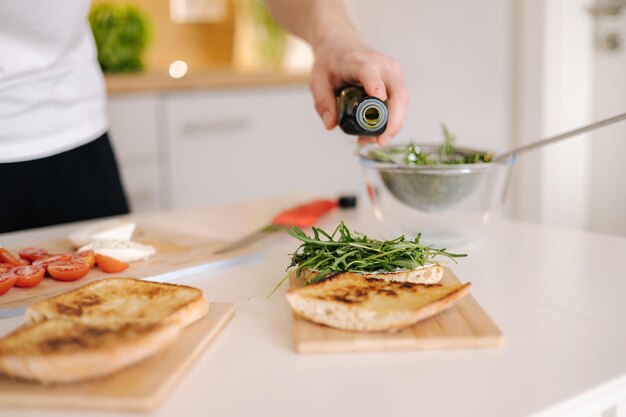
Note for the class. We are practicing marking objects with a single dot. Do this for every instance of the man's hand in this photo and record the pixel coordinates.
(341, 57)
(350, 61)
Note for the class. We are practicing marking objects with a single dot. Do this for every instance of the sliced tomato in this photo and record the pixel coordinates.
(88, 256)
(110, 265)
(7, 281)
(6, 267)
(30, 254)
(68, 270)
(45, 261)
(28, 276)
(8, 257)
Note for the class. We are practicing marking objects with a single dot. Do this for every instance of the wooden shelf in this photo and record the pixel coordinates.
(156, 81)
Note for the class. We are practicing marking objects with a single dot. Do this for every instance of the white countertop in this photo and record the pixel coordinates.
(556, 294)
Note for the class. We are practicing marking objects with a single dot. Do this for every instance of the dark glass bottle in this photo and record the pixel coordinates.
(360, 114)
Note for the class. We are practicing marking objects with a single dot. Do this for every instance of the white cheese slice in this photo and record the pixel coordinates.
(123, 250)
(108, 230)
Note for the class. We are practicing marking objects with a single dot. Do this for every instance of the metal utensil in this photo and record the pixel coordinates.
(438, 187)
(562, 136)
(303, 215)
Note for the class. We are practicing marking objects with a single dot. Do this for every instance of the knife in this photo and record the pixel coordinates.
(303, 215)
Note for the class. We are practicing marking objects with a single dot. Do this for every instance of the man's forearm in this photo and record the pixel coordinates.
(313, 20)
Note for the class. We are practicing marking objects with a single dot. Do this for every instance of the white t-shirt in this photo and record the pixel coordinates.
(52, 95)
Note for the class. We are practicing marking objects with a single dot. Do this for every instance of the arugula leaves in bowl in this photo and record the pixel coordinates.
(416, 155)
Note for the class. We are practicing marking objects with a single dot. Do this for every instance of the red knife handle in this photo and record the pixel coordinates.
(305, 215)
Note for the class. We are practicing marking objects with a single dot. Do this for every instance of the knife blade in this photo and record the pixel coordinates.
(302, 215)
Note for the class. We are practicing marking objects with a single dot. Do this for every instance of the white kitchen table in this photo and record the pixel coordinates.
(557, 295)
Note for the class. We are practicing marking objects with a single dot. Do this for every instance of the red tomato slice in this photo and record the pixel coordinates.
(8, 257)
(45, 261)
(88, 256)
(68, 270)
(30, 254)
(7, 281)
(28, 276)
(110, 265)
(6, 267)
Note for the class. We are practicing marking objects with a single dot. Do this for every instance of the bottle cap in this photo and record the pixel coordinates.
(371, 114)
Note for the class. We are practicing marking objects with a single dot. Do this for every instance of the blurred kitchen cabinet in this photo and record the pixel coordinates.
(134, 127)
(219, 145)
(235, 144)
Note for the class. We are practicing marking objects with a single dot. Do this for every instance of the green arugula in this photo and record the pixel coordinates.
(343, 250)
(410, 154)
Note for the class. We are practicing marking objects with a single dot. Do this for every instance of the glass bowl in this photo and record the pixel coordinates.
(448, 204)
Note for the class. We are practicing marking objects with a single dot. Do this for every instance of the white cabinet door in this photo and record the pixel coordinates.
(134, 132)
(235, 144)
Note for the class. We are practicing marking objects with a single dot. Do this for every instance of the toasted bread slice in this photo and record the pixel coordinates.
(427, 274)
(98, 329)
(124, 300)
(63, 351)
(352, 302)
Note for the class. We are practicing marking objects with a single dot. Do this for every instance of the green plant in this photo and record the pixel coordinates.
(271, 35)
(121, 33)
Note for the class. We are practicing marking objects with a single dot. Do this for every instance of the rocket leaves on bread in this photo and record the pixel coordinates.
(328, 254)
(343, 250)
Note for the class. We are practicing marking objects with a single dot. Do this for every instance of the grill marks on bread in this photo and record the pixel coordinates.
(86, 337)
(116, 299)
(352, 302)
(361, 292)
(98, 329)
(75, 307)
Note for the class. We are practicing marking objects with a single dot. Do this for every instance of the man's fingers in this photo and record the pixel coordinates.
(364, 140)
(387, 84)
(369, 76)
(397, 104)
(325, 101)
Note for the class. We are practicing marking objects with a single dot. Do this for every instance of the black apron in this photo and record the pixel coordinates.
(79, 184)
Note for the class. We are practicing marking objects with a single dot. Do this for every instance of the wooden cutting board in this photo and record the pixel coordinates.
(138, 388)
(174, 251)
(464, 325)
